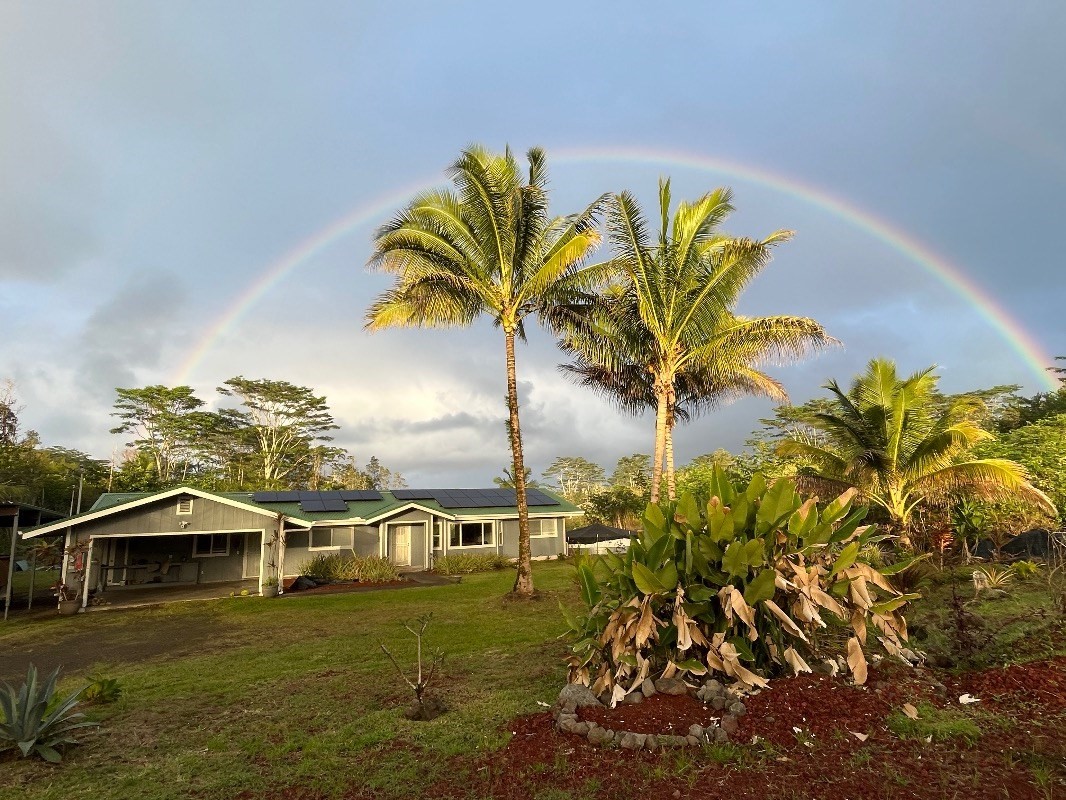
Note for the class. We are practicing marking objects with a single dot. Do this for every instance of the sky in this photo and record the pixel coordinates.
(190, 192)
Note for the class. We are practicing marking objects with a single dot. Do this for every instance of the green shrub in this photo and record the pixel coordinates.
(34, 721)
(742, 587)
(102, 690)
(465, 563)
(350, 567)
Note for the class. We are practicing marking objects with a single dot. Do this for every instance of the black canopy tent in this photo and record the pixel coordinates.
(597, 532)
(27, 516)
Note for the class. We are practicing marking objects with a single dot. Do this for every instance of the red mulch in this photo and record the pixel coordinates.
(348, 586)
(823, 759)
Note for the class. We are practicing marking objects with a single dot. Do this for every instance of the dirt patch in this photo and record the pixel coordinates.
(142, 636)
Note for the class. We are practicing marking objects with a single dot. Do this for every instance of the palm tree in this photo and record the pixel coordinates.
(898, 443)
(665, 335)
(488, 247)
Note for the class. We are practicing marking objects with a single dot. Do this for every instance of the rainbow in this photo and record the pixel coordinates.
(951, 276)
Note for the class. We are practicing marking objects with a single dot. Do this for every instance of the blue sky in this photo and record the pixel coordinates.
(159, 157)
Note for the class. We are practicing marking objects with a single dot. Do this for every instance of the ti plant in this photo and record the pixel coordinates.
(738, 587)
(34, 721)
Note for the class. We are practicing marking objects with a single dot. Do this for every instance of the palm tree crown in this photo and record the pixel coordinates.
(486, 247)
(665, 334)
(897, 442)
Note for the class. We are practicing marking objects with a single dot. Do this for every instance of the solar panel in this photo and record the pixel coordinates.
(265, 497)
(535, 497)
(323, 505)
(332, 494)
(288, 497)
(357, 495)
(413, 494)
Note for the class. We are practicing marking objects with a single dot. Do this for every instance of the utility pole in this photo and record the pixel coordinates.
(81, 484)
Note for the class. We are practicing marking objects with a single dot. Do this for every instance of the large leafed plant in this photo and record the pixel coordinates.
(748, 586)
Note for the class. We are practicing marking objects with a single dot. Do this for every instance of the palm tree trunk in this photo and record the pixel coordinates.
(523, 584)
(671, 485)
(660, 444)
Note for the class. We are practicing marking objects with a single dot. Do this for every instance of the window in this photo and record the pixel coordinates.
(542, 528)
(438, 534)
(185, 505)
(210, 544)
(471, 534)
(330, 538)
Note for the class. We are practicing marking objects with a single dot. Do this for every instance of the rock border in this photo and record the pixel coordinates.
(574, 696)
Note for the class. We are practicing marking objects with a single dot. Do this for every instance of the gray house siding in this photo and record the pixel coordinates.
(298, 552)
(155, 544)
(540, 546)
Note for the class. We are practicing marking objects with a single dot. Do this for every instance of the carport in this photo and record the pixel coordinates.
(20, 514)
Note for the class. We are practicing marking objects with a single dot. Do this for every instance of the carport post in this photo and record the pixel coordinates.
(86, 574)
(11, 564)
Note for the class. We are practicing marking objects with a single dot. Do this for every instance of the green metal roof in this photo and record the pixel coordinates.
(360, 509)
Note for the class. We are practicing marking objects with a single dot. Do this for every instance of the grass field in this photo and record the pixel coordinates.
(297, 692)
(293, 698)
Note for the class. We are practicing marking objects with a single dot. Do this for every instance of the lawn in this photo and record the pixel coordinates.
(293, 698)
(296, 691)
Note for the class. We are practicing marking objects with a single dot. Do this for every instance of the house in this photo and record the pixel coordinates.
(191, 536)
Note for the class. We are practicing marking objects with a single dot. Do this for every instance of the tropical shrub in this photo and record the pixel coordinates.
(350, 567)
(102, 690)
(34, 721)
(742, 587)
(465, 563)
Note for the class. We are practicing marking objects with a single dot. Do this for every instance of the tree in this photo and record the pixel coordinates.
(633, 473)
(666, 336)
(486, 248)
(892, 439)
(1041, 449)
(285, 421)
(158, 417)
(576, 477)
(506, 479)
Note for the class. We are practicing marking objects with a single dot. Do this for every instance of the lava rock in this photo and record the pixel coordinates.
(674, 686)
(647, 686)
(729, 724)
(577, 694)
(721, 736)
(598, 735)
(695, 730)
(718, 703)
(738, 710)
(633, 741)
(651, 741)
(633, 698)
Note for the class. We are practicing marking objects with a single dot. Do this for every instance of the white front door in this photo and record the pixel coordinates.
(401, 545)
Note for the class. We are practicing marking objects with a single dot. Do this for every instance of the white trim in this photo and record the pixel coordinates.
(491, 521)
(311, 535)
(186, 532)
(436, 512)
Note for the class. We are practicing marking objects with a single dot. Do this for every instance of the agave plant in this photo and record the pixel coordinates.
(742, 588)
(34, 722)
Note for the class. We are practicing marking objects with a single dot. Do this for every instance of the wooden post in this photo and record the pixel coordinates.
(11, 562)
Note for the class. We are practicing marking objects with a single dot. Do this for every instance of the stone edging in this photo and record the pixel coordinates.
(575, 696)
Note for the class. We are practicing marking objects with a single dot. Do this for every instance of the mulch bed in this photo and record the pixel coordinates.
(348, 586)
(799, 741)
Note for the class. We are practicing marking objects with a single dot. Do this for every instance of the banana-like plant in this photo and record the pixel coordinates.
(32, 720)
(740, 587)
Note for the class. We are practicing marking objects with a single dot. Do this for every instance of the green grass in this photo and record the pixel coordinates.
(303, 695)
(942, 724)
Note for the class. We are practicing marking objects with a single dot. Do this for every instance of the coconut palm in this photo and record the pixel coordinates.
(486, 247)
(665, 335)
(898, 442)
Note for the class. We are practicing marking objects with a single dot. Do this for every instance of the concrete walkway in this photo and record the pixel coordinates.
(117, 597)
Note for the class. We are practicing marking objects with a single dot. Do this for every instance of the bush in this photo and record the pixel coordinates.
(32, 719)
(742, 587)
(331, 567)
(465, 563)
(102, 690)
